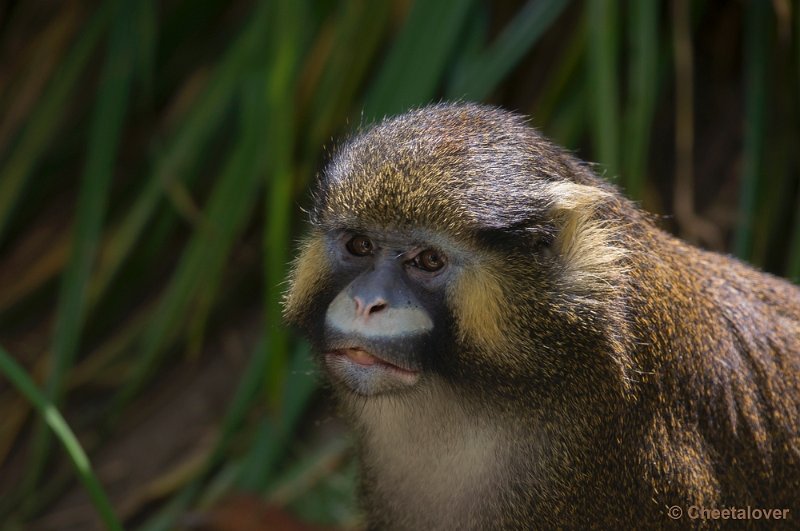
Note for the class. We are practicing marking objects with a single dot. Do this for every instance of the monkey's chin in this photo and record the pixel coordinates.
(366, 374)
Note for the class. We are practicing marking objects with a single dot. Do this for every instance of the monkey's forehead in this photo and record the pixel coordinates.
(434, 196)
(382, 213)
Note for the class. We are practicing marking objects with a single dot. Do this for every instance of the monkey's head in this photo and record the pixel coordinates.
(454, 245)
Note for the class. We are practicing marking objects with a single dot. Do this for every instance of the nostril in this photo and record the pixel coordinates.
(366, 309)
(375, 308)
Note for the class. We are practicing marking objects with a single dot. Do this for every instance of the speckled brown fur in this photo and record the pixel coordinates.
(601, 370)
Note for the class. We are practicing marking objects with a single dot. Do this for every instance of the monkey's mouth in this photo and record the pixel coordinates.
(366, 373)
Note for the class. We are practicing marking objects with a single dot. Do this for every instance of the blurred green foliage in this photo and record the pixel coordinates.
(154, 156)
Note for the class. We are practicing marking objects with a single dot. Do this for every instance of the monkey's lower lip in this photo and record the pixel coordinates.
(362, 357)
(367, 373)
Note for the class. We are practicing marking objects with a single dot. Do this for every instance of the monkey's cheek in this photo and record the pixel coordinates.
(368, 377)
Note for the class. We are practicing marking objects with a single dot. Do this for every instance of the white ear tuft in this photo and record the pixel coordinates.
(587, 243)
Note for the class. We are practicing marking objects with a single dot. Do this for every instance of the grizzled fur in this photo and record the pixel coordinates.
(596, 371)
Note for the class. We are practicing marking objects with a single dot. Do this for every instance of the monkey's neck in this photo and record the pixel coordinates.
(428, 452)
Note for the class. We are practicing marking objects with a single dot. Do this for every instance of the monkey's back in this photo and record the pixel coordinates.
(719, 355)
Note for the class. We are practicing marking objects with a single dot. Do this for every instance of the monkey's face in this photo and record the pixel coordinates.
(381, 322)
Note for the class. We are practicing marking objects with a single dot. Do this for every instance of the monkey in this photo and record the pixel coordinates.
(517, 345)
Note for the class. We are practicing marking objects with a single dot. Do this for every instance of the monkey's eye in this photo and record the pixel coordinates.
(429, 260)
(360, 246)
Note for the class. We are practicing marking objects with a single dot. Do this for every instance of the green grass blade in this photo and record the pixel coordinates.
(602, 19)
(247, 392)
(147, 30)
(569, 120)
(793, 269)
(104, 140)
(51, 416)
(359, 29)
(417, 61)
(285, 51)
(301, 476)
(642, 85)
(273, 434)
(477, 81)
(46, 117)
(472, 44)
(187, 142)
(569, 71)
(230, 205)
(756, 41)
(165, 519)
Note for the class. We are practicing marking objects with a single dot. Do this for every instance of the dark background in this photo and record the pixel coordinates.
(154, 162)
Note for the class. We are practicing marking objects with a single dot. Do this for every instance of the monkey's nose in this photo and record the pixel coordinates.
(364, 309)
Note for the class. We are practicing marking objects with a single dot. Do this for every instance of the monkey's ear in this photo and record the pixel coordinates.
(593, 258)
(585, 240)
